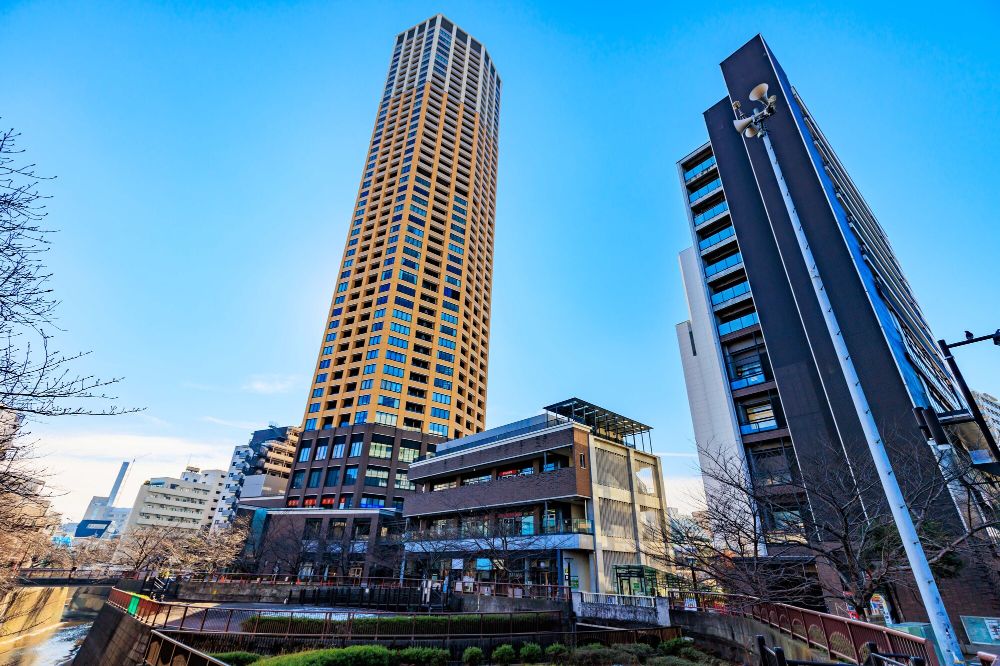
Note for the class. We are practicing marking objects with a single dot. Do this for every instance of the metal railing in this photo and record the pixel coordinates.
(88, 573)
(513, 590)
(485, 533)
(617, 600)
(840, 637)
(551, 422)
(165, 650)
(292, 579)
(182, 617)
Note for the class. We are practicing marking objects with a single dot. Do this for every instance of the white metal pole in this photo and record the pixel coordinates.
(919, 565)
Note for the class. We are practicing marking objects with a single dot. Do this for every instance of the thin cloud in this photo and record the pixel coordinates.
(241, 425)
(79, 466)
(270, 384)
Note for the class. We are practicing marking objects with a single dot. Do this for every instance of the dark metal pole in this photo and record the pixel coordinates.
(977, 415)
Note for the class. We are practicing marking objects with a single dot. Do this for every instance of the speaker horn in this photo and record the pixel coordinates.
(759, 93)
(751, 132)
(742, 123)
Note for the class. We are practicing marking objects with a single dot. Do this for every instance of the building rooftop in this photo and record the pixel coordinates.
(605, 423)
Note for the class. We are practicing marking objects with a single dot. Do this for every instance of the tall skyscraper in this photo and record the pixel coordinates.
(406, 342)
(763, 378)
(403, 358)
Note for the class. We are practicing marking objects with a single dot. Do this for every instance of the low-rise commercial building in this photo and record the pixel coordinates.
(342, 512)
(571, 497)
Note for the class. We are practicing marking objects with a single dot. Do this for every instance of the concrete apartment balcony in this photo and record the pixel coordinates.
(560, 483)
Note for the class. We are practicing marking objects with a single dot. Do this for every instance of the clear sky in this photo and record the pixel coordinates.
(207, 158)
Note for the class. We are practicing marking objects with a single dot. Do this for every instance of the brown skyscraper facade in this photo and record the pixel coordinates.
(406, 343)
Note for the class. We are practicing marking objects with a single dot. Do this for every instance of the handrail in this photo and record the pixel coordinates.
(156, 655)
(617, 599)
(270, 623)
(815, 628)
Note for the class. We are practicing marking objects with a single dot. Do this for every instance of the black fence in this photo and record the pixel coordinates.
(775, 656)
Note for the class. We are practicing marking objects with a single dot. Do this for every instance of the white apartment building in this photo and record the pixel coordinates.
(188, 502)
(990, 407)
(259, 468)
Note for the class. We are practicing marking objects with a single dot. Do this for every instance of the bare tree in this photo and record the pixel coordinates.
(758, 534)
(36, 380)
(210, 551)
(148, 547)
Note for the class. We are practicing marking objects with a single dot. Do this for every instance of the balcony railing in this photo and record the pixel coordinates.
(699, 169)
(703, 191)
(738, 324)
(507, 434)
(717, 209)
(723, 264)
(732, 292)
(759, 426)
(747, 381)
(716, 238)
(525, 529)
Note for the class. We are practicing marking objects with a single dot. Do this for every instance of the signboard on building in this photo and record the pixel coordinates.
(983, 630)
(92, 528)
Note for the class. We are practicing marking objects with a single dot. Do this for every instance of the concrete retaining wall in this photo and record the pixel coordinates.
(27, 609)
(238, 592)
(471, 603)
(623, 615)
(115, 639)
(736, 637)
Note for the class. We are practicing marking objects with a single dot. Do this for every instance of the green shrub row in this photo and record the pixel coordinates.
(390, 625)
(238, 658)
(358, 655)
(676, 652)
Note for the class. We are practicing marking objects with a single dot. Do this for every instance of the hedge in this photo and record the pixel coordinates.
(237, 658)
(403, 625)
(362, 655)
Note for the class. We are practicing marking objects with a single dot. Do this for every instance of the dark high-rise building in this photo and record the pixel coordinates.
(764, 381)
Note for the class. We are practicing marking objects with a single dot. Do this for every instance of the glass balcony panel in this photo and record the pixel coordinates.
(758, 426)
(702, 191)
(699, 169)
(723, 264)
(738, 324)
(730, 293)
(717, 209)
(716, 238)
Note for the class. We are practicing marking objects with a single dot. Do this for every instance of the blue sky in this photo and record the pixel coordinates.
(207, 157)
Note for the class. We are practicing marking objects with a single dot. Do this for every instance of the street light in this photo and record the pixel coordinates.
(974, 414)
(755, 126)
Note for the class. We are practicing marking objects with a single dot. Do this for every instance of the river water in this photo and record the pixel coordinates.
(53, 646)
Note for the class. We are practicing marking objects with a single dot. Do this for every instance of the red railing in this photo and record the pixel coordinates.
(842, 638)
(289, 579)
(64, 574)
